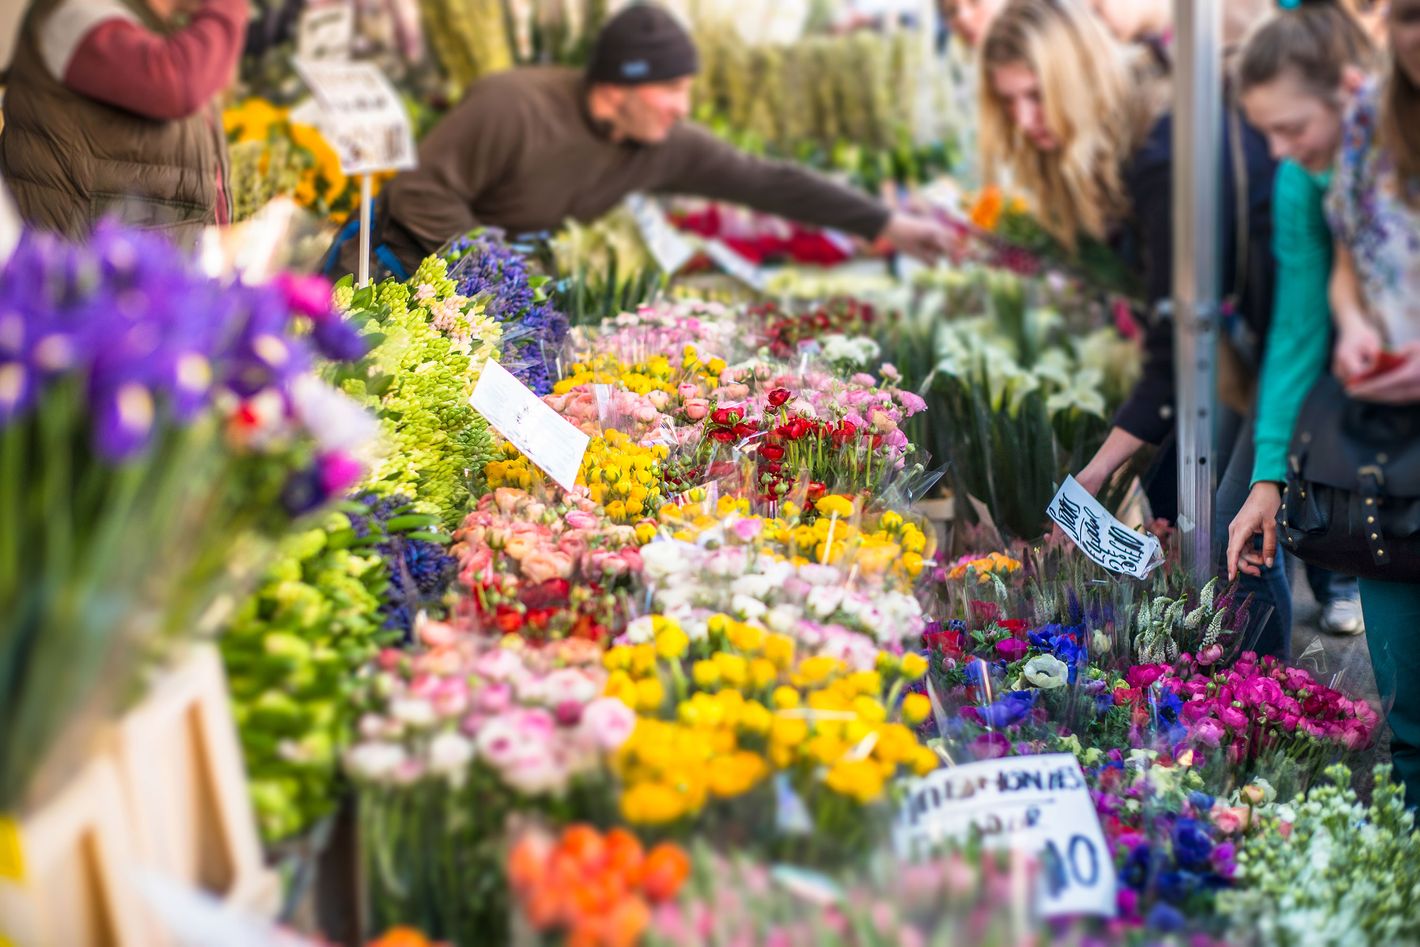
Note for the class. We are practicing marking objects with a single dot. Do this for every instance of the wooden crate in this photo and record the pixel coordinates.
(185, 787)
(65, 869)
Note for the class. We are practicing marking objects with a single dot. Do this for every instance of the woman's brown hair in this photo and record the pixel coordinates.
(1315, 42)
(1400, 128)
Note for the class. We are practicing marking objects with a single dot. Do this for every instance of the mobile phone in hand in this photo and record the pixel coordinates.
(1386, 362)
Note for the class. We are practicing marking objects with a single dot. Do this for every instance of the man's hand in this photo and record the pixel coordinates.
(1258, 515)
(1400, 385)
(918, 237)
(1357, 347)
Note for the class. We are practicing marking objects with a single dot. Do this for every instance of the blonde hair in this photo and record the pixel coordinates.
(1097, 103)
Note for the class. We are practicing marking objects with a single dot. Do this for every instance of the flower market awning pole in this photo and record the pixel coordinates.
(1197, 204)
(366, 212)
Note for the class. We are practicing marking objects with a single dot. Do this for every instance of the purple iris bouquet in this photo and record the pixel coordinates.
(486, 268)
(155, 425)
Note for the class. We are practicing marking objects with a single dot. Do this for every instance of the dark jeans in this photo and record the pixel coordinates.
(1330, 587)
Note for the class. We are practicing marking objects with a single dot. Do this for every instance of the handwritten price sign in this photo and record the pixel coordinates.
(1039, 805)
(1107, 541)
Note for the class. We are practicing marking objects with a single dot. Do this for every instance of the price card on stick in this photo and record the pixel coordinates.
(1038, 805)
(361, 115)
(1107, 541)
(546, 438)
(325, 32)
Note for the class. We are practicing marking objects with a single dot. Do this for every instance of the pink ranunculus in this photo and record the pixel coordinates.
(1232, 718)
(494, 698)
(608, 722)
(659, 399)
(746, 529)
(308, 295)
(568, 713)
(497, 664)
(696, 409)
(437, 634)
(911, 403)
(688, 391)
(1208, 732)
(541, 565)
(1290, 722)
(1210, 655)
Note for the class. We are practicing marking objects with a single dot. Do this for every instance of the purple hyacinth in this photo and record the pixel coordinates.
(485, 267)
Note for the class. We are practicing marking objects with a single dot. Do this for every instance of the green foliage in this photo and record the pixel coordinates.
(418, 379)
(291, 654)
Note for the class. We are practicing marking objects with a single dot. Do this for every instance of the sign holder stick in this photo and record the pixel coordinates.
(366, 215)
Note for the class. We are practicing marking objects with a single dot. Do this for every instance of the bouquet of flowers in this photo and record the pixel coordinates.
(551, 569)
(598, 889)
(741, 734)
(452, 741)
(155, 426)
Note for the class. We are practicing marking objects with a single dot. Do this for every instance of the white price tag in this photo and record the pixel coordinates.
(1039, 805)
(361, 115)
(10, 224)
(671, 250)
(737, 266)
(1103, 538)
(326, 33)
(545, 437)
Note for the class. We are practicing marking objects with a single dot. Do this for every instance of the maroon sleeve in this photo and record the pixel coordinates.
(161, 77)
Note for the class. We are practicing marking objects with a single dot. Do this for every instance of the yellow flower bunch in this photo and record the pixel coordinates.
(622, 476)
(742, 705)
(657, 373)
(997, 564)
(892, 552)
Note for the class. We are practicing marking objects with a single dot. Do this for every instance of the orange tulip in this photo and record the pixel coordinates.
(625, 854)
(401, 937)
(666, 868)
(628, 922)
(584, 844)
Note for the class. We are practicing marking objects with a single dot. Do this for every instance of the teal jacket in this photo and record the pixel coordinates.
(1299, 341)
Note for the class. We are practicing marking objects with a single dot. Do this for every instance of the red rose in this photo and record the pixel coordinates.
(779, 397)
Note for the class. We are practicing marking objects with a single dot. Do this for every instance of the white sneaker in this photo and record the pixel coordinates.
(1343, 617)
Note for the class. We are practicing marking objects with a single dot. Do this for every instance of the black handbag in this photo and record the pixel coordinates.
(1352, 500)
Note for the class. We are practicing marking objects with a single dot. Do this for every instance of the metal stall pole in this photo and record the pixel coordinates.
(1197, 205)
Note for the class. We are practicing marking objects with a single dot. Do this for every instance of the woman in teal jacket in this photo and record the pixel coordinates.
(1297, 78)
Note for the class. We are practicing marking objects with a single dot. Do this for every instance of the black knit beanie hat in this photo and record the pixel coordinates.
(641, 44)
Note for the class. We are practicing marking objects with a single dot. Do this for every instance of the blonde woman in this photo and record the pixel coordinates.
(1071, 115)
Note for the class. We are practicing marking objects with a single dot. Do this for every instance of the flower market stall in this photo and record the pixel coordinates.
(540, 595)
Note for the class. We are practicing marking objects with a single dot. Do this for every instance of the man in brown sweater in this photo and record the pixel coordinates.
(529, 148)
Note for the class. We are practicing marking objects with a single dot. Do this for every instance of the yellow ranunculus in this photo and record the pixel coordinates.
(915, 708)
(860, 780)
(652, 804)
